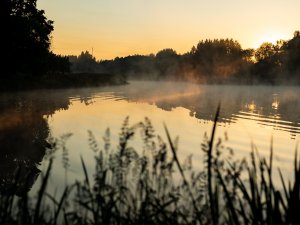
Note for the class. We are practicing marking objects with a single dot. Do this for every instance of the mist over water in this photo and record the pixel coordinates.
(248, 115)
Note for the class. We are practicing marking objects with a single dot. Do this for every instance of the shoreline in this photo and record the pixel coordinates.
(58, 81)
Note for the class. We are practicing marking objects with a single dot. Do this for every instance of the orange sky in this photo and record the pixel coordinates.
(112, 28)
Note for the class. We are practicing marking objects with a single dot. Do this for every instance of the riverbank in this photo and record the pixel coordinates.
(66, 80)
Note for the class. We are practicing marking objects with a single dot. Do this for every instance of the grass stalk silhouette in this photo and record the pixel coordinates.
(154, 186)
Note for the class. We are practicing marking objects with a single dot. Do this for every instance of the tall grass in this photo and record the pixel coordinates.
(154, 186)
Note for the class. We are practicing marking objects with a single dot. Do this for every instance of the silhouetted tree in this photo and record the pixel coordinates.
(167, 63)
(218, 59)
(58, 64)
(215, 61)
(85, 62)
(25, 36)
(137, 67)
(25, 40)
(133, 67)
(292, 55)
(269, 62)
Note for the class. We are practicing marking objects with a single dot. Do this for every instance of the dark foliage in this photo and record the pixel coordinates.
(210, 61)
(25, 41)
(155, 187)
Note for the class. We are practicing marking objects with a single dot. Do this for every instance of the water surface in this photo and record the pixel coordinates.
(249, 115)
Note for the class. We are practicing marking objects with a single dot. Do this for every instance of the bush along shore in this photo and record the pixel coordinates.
(154, 186)
(60, 80)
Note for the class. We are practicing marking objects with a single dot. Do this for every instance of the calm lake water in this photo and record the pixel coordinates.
(249, 114)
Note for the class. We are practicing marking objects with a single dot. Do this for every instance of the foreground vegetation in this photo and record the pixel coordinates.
(153, 186)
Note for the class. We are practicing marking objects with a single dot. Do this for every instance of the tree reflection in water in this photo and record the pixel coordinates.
(24, 127)
(23, 136)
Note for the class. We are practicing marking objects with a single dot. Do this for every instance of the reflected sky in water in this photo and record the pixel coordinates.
(248, 115)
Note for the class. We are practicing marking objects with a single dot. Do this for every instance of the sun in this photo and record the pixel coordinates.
(271, 37)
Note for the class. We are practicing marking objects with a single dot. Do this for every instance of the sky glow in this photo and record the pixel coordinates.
(126, 27)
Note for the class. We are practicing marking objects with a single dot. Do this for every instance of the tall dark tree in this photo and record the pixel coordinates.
(85, 62)
(25, 37)
(292, 55)
(167, 63)
(218, 59)
(269, 62)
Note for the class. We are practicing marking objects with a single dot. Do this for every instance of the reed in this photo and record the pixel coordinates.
(155, 186)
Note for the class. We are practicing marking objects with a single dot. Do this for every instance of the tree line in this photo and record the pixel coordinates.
(210, 61)
(26, 39)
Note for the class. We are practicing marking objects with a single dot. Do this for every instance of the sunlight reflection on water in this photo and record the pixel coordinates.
(248, 114)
